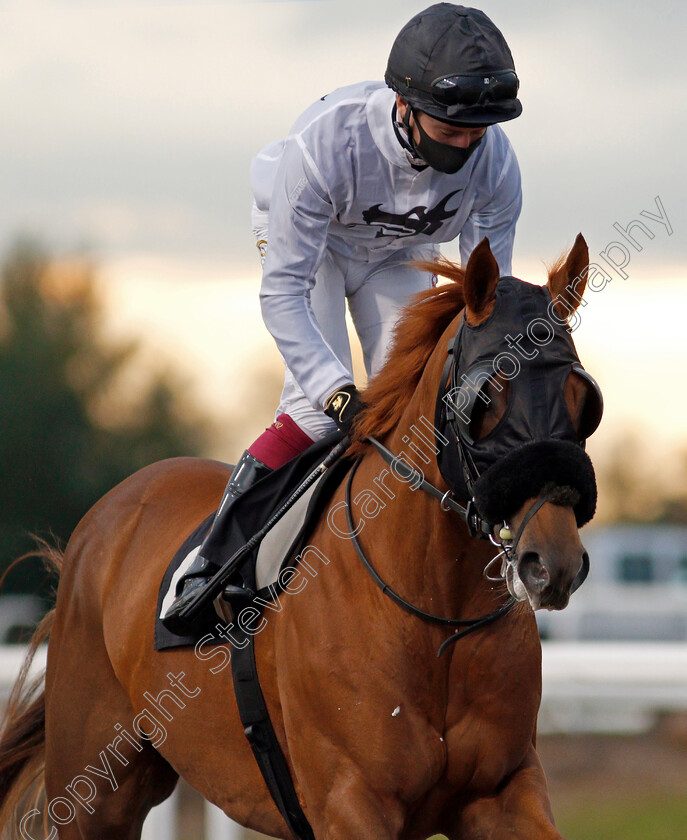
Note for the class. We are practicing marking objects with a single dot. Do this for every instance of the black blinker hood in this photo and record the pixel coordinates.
(535, 442)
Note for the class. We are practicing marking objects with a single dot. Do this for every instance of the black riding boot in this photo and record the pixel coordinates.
(247, 471)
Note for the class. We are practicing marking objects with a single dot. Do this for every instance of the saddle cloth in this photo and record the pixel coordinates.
(282, 543)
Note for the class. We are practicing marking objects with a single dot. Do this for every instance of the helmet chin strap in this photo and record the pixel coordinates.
(406, 140)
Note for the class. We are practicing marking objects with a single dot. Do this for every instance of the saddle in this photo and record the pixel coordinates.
(260, 569)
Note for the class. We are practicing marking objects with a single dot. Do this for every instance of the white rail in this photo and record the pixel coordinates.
(611, 686)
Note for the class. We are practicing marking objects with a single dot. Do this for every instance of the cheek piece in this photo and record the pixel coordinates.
(440, 156)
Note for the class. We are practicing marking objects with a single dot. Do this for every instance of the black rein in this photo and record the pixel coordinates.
(467, 625)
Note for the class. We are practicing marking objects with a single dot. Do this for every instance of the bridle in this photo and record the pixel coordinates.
(461, 473)
(477, 527)
(536, 409)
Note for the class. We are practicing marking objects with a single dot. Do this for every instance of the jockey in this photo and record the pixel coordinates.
(370, 178)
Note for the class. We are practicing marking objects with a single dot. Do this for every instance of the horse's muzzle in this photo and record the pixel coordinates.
(549, 583)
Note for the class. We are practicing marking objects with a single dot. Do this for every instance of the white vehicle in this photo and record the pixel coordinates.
(636, 589)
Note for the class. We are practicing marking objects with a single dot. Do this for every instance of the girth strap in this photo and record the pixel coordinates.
(262, 737)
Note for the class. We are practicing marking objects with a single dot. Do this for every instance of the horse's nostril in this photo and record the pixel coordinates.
(533, 573)
(582, 573)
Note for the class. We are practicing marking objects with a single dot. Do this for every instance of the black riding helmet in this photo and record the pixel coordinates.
(452, 63)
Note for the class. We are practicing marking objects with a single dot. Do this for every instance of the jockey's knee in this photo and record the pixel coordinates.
(280, 442)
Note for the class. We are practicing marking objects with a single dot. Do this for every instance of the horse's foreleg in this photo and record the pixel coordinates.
(520, 811)
(352, 810)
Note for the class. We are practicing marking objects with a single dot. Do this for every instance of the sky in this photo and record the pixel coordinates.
(128, 129)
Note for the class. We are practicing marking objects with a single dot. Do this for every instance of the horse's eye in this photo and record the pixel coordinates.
(592, 410)
(489, 408)
(482, 405)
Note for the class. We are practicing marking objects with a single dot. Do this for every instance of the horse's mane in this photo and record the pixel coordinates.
(415, 336)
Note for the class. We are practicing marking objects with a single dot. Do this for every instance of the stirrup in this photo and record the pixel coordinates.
(236, 597)
(171, 619)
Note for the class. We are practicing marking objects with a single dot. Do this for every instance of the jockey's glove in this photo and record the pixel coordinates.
(343, 406)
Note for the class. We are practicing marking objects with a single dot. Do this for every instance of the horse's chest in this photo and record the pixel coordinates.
(488, 740)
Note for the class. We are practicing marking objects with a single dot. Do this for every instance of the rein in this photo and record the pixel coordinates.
(468, 515)
(477, 526)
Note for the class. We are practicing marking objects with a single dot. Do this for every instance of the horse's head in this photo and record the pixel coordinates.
(516, 407)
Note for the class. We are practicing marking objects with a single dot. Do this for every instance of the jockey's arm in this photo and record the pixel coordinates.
(496, 216)
(299, 215)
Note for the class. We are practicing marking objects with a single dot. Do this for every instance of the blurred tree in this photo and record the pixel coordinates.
(635, 487)
(69, 430)
(673, 505)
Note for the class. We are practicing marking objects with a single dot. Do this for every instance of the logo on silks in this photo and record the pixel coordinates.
(418, 220)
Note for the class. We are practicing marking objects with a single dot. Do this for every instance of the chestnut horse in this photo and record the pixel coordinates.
(384, 740)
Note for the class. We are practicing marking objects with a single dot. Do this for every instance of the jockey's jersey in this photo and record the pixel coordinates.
(342, 181)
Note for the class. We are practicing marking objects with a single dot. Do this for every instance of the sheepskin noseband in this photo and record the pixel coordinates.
(504, 488)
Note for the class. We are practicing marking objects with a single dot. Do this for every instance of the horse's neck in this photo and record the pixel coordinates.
(430, 557)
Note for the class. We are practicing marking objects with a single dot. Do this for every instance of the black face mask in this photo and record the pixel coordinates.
(440, 156)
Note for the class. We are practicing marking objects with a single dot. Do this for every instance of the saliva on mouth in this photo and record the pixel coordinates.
(515, 586)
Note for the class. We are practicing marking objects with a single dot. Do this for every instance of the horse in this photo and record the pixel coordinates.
(384, 740)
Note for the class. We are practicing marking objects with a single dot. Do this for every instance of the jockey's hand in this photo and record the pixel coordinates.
(343, 406)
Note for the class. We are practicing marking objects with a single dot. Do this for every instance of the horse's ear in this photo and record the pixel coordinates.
(567, 281)
(479, 285)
